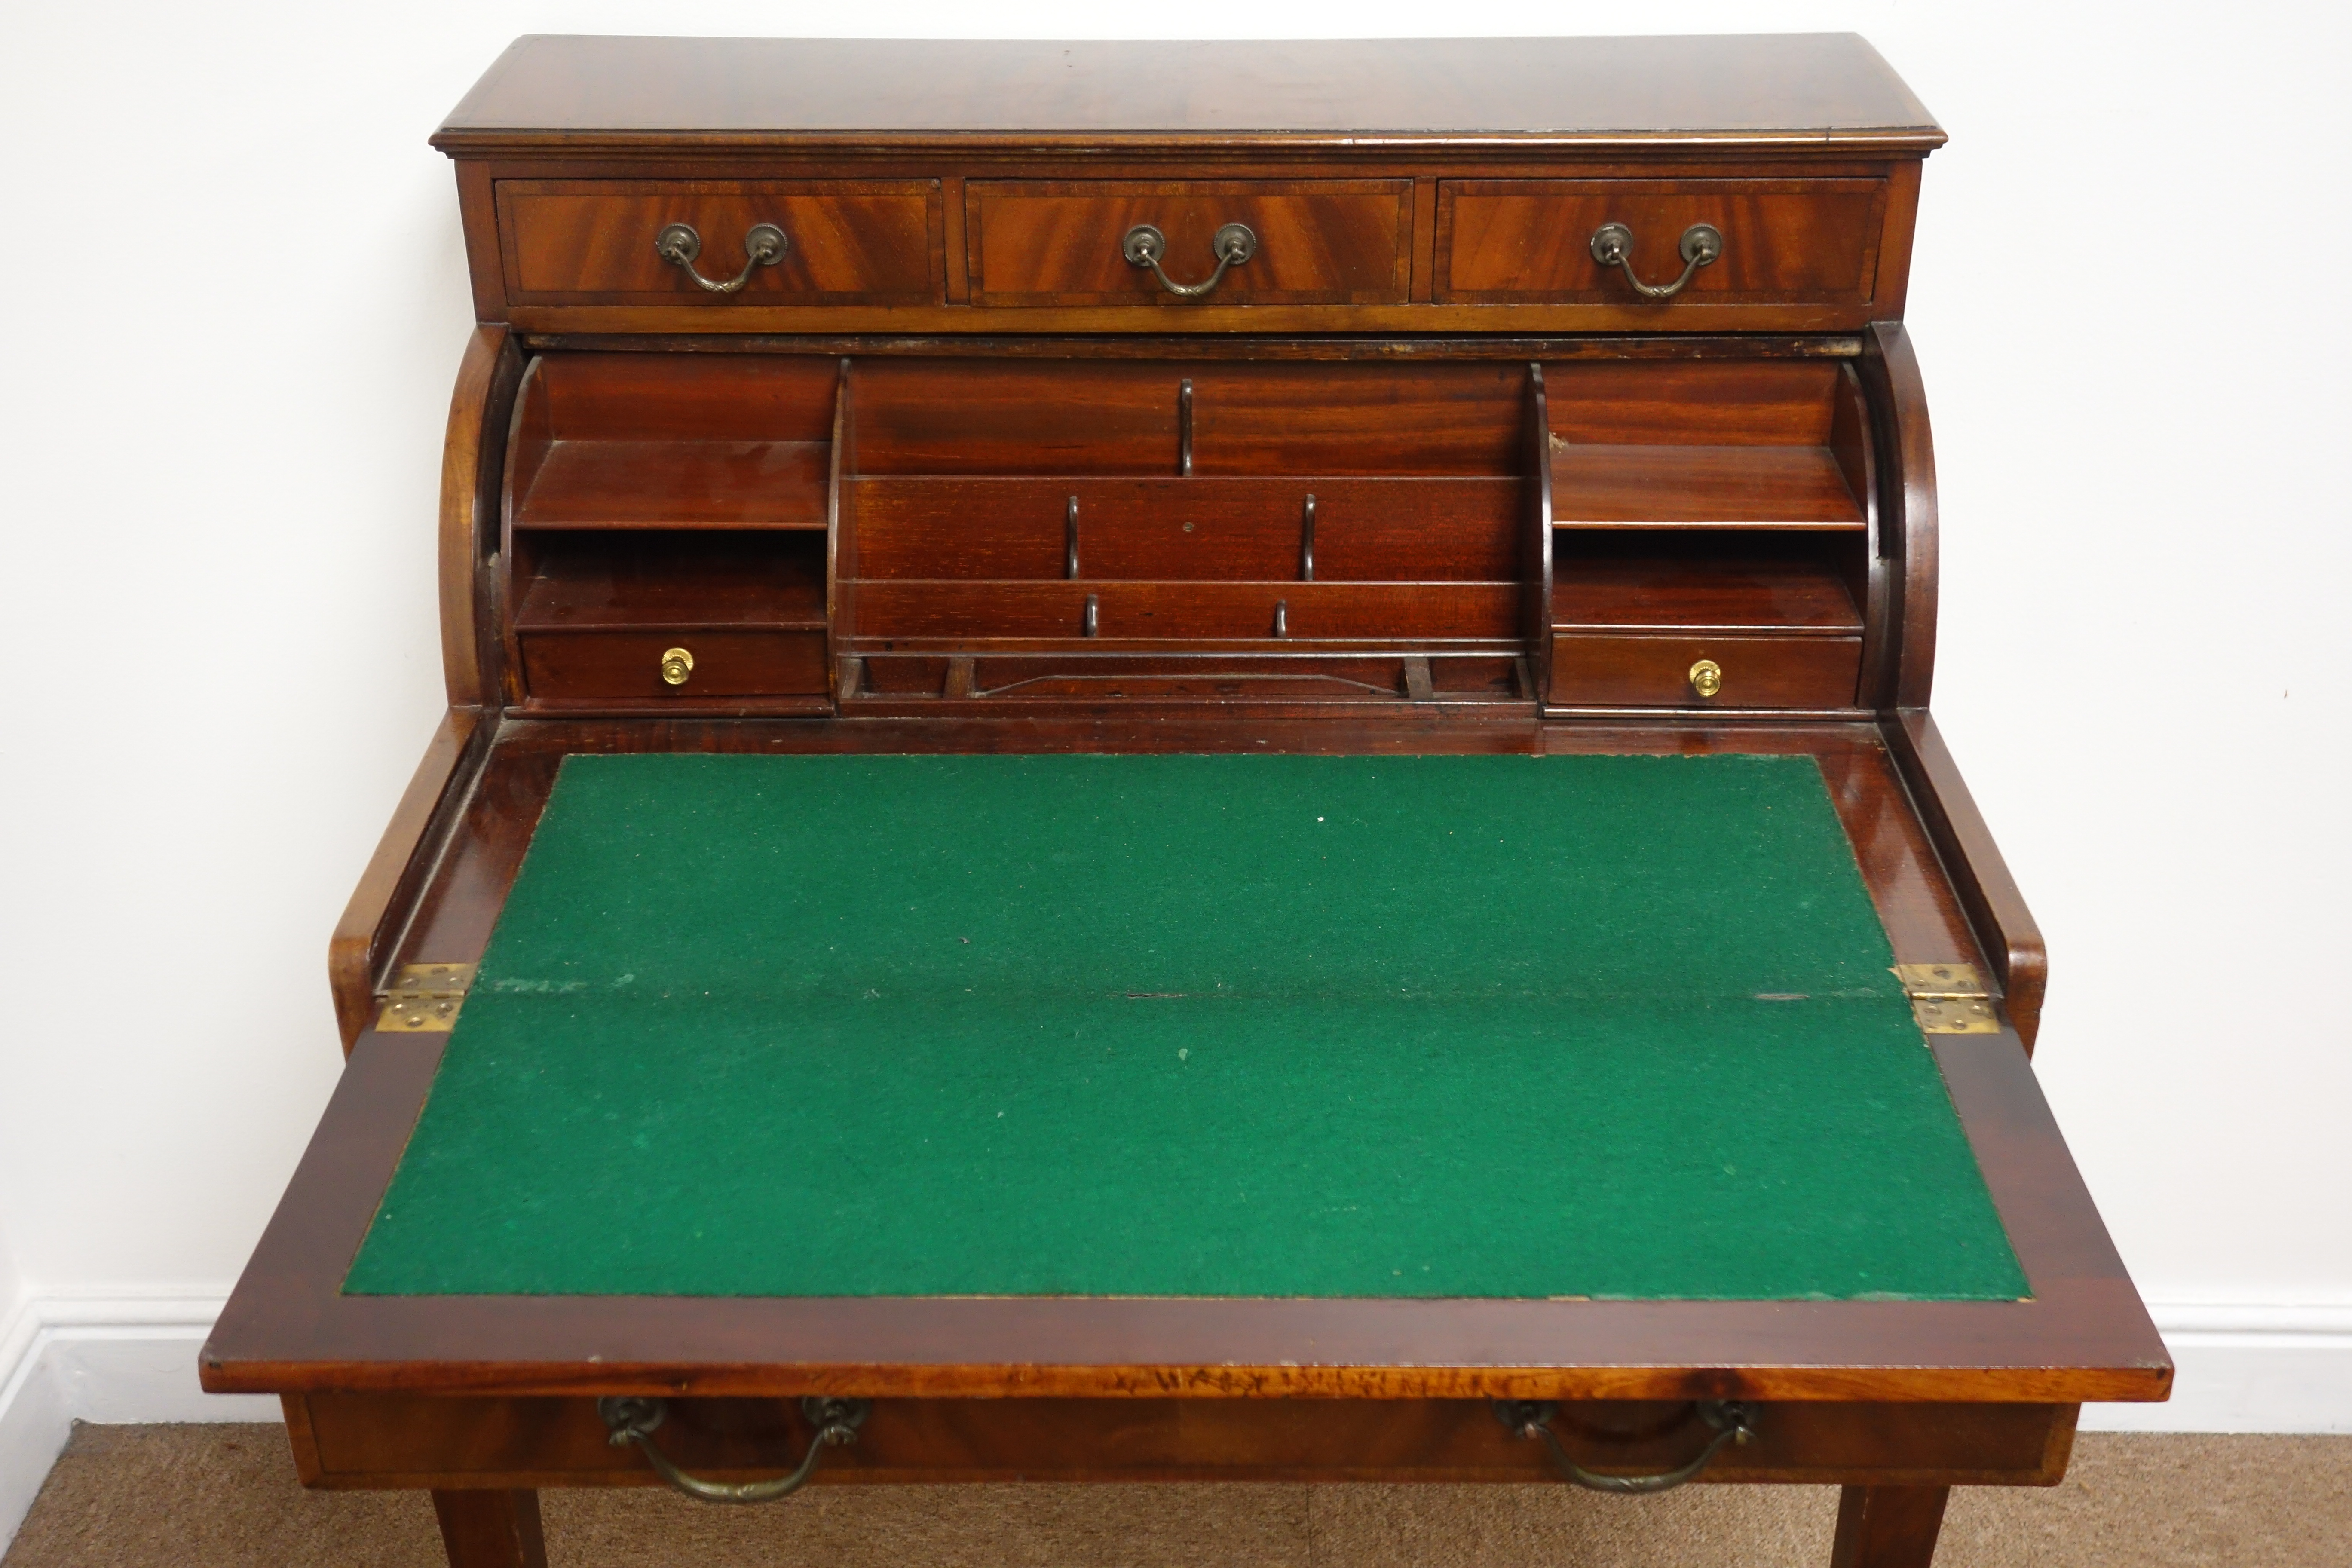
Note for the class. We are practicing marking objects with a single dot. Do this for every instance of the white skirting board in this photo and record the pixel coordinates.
(2242, 1369)
(113, 1361)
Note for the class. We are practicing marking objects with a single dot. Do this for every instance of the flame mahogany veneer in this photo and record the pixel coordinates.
(949, 472)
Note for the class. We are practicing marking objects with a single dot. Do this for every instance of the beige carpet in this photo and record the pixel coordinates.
(225, 1497)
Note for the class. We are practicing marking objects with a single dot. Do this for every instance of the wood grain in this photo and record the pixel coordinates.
(592, 241)
(1529, 241)
(1337, 242)
(406, 1440)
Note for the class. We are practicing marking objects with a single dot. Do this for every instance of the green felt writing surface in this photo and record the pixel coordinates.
(1608, 1026)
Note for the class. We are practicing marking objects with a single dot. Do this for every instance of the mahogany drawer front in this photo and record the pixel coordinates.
(566, 242)
(1784, 241)
(1320, 242)
(400, 1439)
(613, 665)
(1131, 611)
(1602, 669)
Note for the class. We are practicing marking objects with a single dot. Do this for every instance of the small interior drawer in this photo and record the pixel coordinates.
(603, 666)
(1783, 241)
(592, 241)
(1592, 669)
(1317, 242)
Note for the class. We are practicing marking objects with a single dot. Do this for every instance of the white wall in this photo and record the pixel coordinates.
(235, 303)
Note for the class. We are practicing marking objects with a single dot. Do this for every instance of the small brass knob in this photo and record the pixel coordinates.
(677, 664)
(1706, 677)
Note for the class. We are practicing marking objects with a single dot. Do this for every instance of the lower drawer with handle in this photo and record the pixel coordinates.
(648, 665)
(1697, 670)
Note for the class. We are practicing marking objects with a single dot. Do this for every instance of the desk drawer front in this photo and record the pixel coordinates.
(1318, 242)
(359, 1440)
(845, 241)
(628, 665)
(1656, 671)
(1784, 241)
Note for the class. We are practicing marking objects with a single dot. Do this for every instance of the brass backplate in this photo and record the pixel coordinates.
(1948, 998)
(424, 999)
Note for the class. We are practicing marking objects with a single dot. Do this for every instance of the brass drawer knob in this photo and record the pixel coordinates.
(677, 664)
(1706, 677)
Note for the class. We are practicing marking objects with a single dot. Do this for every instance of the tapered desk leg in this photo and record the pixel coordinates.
(1888, 1526)
(490, 1530)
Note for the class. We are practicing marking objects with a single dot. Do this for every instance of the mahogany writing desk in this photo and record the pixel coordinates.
(1187, 760)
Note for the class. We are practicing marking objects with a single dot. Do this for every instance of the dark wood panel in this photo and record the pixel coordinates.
(1426, 419)
(374, 1440)
(1719, 487)
(689, 396)
(1030, 417)
(1067, 674)
(1887, 1525)
(676, 581)
(592, 241)
(1197, 528)
(1800, 91)
(1343, 242)
(891, 609)
(603, 666)
(1608, 671)
(678, 484)
(1693, 403)
(1722, 593)
(1520, 241)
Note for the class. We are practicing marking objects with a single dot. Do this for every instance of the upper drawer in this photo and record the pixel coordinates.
(590, 242)
(1316, 242)
(1784, 242)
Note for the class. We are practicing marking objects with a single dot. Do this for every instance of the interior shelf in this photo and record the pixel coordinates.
(1718, 595)
(594, 582)
(1662, 486)
(1763, 580)
(678, 484)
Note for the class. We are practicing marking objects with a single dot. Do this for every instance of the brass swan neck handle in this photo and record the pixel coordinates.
(678, 245)
(629, 1420)
(1732, 1420)
(1144, 246)
(1612, 246)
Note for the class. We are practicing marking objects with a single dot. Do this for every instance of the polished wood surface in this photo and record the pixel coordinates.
(1805, 91)
(1529, 241)
(490, 1529)
(1328, 242)
(360, 952)
(411, 1440)
(1624, 670)
(846, 241)
(1887, 1525)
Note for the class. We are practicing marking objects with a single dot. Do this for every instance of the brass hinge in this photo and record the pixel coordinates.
(424, 999)
(1948, 998)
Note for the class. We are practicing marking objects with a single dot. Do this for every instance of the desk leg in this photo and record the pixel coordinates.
(490, 1530)
(1888, 1526)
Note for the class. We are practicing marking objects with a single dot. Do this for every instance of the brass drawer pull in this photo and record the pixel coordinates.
(1706, 677)
(1612, 246)
(1144, 246)
(1733, 1421)
(676, 664)
(632, 1421)
(678, 245)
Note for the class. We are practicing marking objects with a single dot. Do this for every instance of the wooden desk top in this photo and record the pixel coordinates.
(1802, 90)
